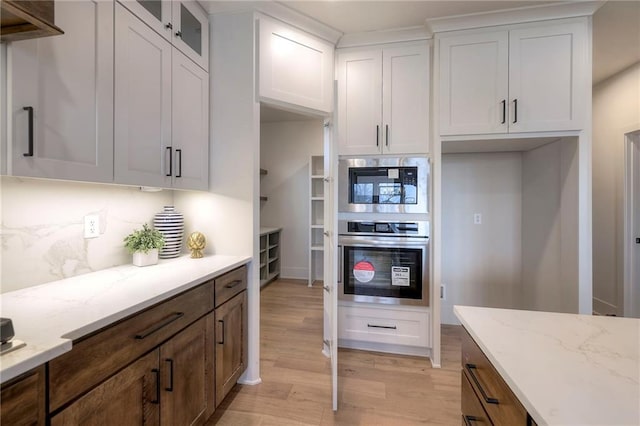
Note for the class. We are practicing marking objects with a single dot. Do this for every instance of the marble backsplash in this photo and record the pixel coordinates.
(42, 227)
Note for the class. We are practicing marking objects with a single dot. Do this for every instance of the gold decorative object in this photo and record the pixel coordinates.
(196, 244)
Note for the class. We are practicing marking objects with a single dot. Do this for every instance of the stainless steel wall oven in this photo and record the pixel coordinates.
(384, 262)
(383, 185)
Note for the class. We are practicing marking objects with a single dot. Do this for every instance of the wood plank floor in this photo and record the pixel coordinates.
(374, 388)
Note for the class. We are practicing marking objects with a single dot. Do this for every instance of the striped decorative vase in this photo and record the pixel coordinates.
(170, 223)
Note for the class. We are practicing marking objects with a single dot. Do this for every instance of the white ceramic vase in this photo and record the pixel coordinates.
(145, 259)
(170, 223)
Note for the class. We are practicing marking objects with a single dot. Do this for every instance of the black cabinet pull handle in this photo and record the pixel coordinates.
(468, 419)
(221, 341)
(157, 373)
(387, 136)
(179, 154)
(170, 387)
(487, 399)
(179, 34)
(233, 283)
(377, 135)
(169, 26)
(504, 111)
(149, 331)
(170, 161)
(515, 110)
(390, 327)
(30, 152)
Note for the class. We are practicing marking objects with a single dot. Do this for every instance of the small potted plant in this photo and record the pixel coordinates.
(144, 244)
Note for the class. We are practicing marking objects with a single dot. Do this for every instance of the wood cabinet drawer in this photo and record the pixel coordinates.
(230, 284)
(95, 358)
(472, 411)
(22, 399)
(391, 326)
(499, 402)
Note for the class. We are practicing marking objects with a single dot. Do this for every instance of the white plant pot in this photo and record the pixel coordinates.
(145, 259)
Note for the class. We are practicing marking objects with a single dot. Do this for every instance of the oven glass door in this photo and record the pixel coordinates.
(382, 185)
(391, 273)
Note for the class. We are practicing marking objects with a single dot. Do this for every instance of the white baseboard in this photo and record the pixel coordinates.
(295, 273)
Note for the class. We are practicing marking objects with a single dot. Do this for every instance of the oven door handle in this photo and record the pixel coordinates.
(340, 260)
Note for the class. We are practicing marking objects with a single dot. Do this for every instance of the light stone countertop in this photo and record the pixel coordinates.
(50, 316)
(565, 369)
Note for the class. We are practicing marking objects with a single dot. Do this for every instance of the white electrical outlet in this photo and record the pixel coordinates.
(91, 226)
(477, 219)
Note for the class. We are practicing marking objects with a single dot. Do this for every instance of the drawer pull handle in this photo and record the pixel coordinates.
(234, 283)
(221, 341)
(170, 387)
(468, 419)
(487, 399)
(390, 327)
(157, 373)
(149, 331)
(29, 153)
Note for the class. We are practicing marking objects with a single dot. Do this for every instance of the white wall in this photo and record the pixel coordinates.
(285, 149)
(481, 264)
(549, 227)
(616, 110)
(42, 226)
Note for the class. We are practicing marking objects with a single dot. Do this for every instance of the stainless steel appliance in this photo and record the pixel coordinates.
(383, 185)
(384, 262)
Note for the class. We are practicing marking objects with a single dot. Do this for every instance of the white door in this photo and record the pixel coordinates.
(191, 31)
(474, 83)
(547, 77)
(190, 124)
(67, 81)
(360, 102)
(156, 14)
(635, 275)
(405, 99)
(330, 258)
(143, 152)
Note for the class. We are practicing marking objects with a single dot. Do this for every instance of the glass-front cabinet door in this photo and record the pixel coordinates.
(183, 23)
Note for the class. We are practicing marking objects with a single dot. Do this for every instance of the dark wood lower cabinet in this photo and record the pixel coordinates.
(472, 412)
(131, 397)
(22, 400)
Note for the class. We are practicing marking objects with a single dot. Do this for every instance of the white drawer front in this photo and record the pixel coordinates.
(384, 326)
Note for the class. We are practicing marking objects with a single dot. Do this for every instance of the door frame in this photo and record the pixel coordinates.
(629, 290)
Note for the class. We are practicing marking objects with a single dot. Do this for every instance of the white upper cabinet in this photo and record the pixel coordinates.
(294, 68)
(383, 99)
(526, 78)
(161, 110)
(66, 84)
(183, 23)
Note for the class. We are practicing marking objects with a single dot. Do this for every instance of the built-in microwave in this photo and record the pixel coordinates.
(383, 185)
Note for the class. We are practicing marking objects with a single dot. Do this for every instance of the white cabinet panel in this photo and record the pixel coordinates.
(190, 124)
(68, 81)
(405, 73)
(474, 83)
(142, 103)
(547, 78)
(383, 100)
(359, 102)
(294, 68)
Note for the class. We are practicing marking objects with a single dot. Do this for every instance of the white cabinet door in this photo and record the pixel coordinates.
(68, 81)
(360, 102)
(294, 67)
(474, 83)
(405, 99)
(142, 103)
(547, 77)
(190, 124)
(191, 31)
(183, 23)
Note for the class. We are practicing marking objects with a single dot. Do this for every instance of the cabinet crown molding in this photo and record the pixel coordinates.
(396, 35)
(513, 16)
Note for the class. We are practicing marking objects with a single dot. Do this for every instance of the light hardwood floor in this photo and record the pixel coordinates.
(374, 388)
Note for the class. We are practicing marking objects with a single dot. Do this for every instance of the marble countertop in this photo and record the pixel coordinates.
(50, 316)
(565, 369)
